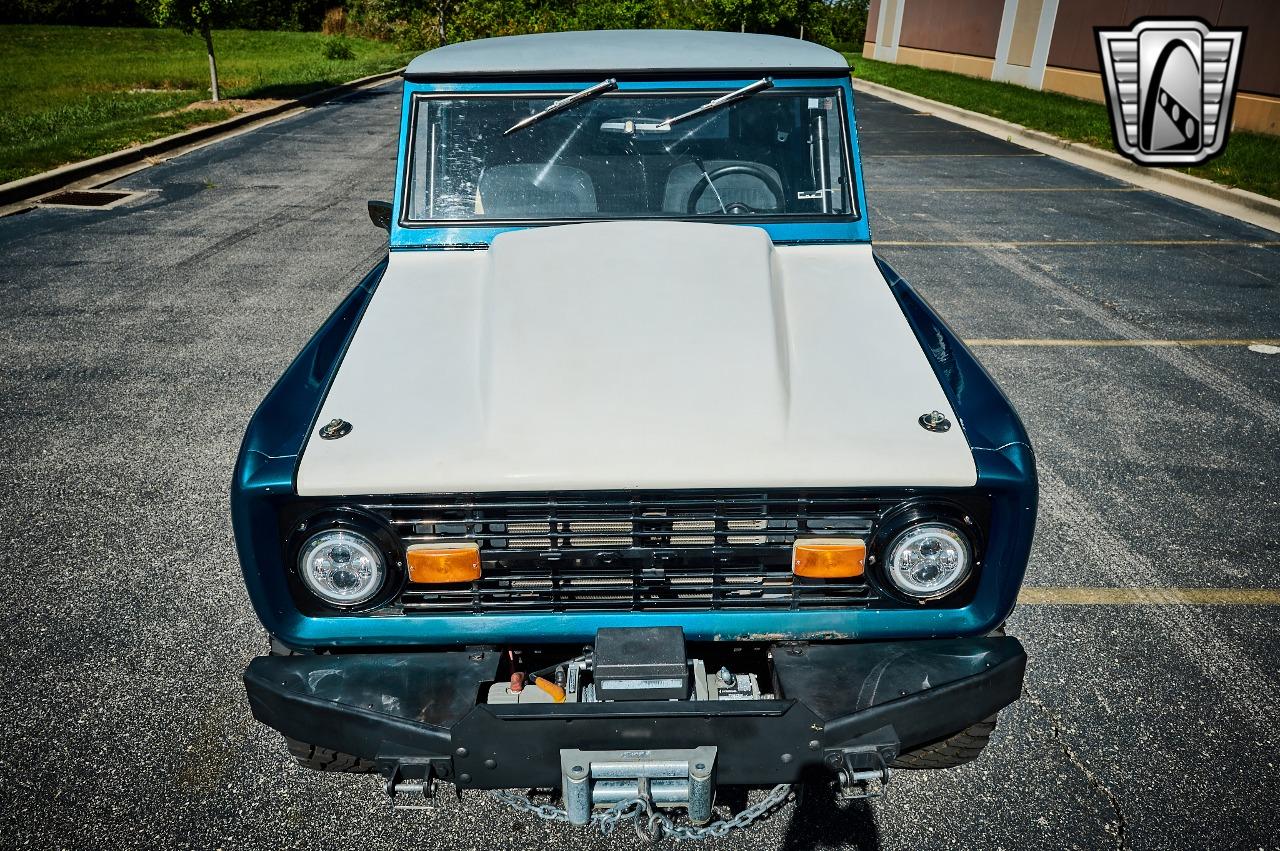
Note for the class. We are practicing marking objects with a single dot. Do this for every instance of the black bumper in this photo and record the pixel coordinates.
(420, 710)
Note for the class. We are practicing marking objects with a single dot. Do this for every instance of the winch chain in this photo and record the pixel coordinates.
(650, 824)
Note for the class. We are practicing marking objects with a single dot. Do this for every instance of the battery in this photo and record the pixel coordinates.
(640, 663)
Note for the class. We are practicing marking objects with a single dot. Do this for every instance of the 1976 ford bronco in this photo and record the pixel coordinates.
(632, 471)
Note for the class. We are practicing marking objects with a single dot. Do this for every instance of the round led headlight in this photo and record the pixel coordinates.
(342, 567)
(929, 561)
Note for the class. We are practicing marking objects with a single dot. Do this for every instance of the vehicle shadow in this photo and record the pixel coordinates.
(821, 821)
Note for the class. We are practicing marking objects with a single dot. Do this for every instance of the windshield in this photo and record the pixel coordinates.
(773, 154)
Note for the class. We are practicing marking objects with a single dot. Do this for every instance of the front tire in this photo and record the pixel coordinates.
(963, 747)
(324, 759)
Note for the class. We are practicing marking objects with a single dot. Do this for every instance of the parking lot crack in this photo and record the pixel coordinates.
(1120, 826)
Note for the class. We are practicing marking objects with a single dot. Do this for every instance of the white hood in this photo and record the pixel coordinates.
(633, 355)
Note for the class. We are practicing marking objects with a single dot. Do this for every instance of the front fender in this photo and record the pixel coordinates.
(267, 465)
(1002, 450)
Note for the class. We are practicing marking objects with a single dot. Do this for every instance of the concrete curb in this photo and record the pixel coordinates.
(29, 188)
(1247, 206)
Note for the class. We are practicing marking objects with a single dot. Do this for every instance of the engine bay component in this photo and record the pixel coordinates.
(726, 685)
(640, 663)
(564, 686)
(556, 691)
(647, 666)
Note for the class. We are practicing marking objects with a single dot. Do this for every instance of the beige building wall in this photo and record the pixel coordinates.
(956, 63)
(1026, 24)
(1080, 84)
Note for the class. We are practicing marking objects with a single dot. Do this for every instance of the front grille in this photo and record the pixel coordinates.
(633, 552)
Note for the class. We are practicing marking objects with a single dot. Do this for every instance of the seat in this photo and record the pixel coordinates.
(732, 187)
(530, 190)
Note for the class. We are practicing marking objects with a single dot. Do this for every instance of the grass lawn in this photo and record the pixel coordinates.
(69, 93)
(1248, 162)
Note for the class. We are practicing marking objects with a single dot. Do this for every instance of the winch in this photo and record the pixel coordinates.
(664, 778)
(628, 664)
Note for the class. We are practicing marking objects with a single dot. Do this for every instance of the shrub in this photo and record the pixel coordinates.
(338, 48)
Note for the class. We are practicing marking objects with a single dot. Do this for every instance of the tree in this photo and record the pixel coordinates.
(193, 16)
(757, 16)
(849, 23)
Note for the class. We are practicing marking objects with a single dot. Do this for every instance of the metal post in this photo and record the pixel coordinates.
(700, 792)
(824, 167)
(577, 794)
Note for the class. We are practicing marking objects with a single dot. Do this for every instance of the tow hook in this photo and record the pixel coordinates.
(423, 784)
(856, 768)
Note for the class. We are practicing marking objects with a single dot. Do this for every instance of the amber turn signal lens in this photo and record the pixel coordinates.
(435, 563)
(829, 558)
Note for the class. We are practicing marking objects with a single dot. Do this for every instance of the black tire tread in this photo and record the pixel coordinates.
(325, 759)
(963, 747)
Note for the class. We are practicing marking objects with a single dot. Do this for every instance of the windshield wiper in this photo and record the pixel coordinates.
(562, 104)
(724, 100)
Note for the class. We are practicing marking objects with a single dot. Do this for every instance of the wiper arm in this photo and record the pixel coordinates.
(562, 104)
(724, 100)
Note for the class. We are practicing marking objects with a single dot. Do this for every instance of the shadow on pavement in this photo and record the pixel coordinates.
(821, 821)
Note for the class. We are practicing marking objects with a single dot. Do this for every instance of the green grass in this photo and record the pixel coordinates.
(1249, 161)
(68, 93)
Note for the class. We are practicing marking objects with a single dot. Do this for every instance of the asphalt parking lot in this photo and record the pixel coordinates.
(135, 343)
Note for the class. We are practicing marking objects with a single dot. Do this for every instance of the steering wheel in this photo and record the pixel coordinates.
(734, 207)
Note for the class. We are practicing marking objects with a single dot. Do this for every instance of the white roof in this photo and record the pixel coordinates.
(627, 52)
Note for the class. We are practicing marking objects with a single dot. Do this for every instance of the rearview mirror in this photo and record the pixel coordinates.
(380, 214)
(635, 126)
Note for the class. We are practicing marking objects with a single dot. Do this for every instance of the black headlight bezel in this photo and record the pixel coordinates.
(340, 517)
(925, 512)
